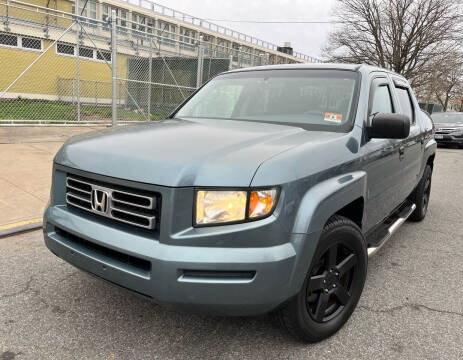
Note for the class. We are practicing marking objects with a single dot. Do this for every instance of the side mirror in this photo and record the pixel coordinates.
(389, 126)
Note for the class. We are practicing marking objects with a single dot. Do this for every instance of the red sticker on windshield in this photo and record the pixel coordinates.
(333, 117)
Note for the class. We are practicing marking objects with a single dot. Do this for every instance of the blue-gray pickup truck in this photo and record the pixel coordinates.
(265, 191)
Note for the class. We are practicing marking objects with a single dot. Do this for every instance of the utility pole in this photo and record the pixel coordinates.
(199, 74)
(114, 67)
(77, 59)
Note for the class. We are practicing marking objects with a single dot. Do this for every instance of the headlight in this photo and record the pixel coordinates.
(457, 133)
(230, 206)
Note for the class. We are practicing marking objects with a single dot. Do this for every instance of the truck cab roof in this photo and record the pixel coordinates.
(362, 68)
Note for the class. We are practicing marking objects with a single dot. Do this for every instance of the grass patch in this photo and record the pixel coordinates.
(25, 109)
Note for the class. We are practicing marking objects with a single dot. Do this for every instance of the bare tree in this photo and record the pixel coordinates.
(406, 36)
(449, 75)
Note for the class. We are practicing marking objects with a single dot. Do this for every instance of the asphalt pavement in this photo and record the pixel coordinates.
(411, 307)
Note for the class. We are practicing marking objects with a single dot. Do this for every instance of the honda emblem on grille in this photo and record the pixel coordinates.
(100, 200)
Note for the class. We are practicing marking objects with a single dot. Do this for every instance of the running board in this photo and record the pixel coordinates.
(403, 215)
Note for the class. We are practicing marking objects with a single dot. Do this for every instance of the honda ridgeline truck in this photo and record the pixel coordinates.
(265, 191)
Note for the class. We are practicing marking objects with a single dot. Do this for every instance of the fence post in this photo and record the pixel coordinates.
(96, 92)
(239, 57)
(114, 67)
(78, 62)
(73, 91)
(199, 74)
(230, 66)
(59, 88)
(7, 14)
(150, 77)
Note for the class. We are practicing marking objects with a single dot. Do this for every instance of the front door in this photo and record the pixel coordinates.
(383, 162)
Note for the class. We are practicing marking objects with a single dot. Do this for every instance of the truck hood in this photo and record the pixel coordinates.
(184, 152)
(452, 125)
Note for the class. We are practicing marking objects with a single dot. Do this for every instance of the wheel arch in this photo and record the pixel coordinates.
(354, 211)
(429, 155)
(335, 196)
(342, 195)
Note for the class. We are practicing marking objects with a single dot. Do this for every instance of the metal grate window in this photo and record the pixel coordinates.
(103, 55)
(31, 43)
(86, 52)
(65, 49)
(10, 40)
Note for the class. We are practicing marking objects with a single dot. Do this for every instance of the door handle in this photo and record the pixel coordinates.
(401, 152)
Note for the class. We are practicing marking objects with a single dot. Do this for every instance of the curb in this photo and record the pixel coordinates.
(23, 226)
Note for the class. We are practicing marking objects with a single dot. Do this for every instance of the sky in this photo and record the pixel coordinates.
(305, 38)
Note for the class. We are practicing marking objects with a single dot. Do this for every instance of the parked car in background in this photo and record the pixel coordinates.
(449, 128)
(266, 191)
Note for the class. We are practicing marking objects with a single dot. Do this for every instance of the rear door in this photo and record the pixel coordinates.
(383, 164)
(411, 148)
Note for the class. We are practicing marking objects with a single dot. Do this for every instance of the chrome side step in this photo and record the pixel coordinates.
(404, 214)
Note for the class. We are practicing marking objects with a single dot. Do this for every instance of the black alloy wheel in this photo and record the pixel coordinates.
(420, 196)
(333, 284)
(329, 286)
(426, 194)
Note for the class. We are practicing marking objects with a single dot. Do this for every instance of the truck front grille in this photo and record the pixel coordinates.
(126, 205)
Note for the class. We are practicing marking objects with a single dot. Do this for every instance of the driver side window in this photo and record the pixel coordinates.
(382, 101)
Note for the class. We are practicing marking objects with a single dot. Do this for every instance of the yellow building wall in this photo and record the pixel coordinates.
(42, 77)
(25, 12)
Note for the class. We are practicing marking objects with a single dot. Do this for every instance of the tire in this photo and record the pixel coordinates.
(420, 196)
(339, 286)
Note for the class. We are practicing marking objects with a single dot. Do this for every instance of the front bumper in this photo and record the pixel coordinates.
(213, 280)
(447, 139)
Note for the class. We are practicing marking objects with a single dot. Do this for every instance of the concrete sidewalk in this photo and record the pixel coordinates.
(26, 155)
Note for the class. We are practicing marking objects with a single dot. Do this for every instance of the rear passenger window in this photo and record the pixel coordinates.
(382, 101)
(405, 103)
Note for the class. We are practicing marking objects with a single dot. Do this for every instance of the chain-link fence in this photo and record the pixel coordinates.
(64, 65)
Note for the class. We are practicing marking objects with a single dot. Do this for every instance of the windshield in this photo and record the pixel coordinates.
(448, 117)
(313, 99)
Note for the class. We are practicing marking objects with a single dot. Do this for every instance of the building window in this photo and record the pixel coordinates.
(121, 20)
(91, 10)
(86, 52)
(10, 40)
(138, 23)
(142, 22)
(207, 43)
(31, 43)
(166, 33)
(87, 9)
(149, 25)
(245, 55)
(21, 42)
(105, 14)
(223, 47)
(134, 21)
(65, 49)
(187, 39)
(206, 37)
(103, 55)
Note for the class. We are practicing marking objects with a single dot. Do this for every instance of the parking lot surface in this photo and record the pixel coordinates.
(411, 308)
